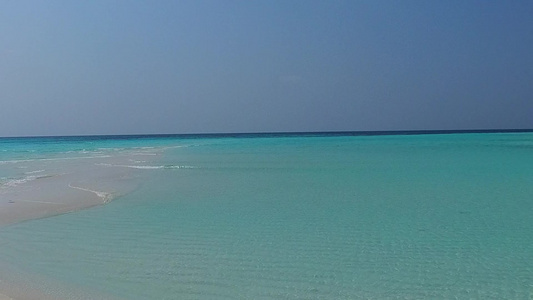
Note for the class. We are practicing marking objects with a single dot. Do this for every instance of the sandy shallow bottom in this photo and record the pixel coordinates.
(4, 297)
(269, 219)
(62, 193)
(51, 187)
(45, 187)
(25, 286)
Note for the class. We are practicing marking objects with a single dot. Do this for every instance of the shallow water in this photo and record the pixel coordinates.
(340, 217)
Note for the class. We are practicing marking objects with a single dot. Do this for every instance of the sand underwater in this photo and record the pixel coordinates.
(267, 216)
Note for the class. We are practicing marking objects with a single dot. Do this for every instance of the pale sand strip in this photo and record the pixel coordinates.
(4, 297)
(58, 195)
(66, 186)
(44, 198)
(51, 196)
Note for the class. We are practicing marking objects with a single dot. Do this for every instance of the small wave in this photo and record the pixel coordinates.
(159, 167)
(15, 182)
(147, 167)
(15, 161)
(174, 147)
(144, 153)
(78, 157)
(106, 197)
(83, 152)
(143, 167)
(18, 181)
(3, 162)
(33, 172)
(137, 161)
(111, 149)
(104, 164)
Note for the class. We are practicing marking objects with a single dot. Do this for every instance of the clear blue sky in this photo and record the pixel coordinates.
(125, 67)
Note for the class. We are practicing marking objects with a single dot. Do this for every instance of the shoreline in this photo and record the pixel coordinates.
(44, 187)
(49, 197)
(5, 297)
(52, 186)
(45, 198)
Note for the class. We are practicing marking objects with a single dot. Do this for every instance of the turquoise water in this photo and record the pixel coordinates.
(338, 217)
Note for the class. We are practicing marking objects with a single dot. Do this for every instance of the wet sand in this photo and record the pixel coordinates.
(45, 197)
(4, 297)
(62, 187)
(50, 187)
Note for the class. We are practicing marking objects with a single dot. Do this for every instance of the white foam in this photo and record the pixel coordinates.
(106, 197)
(34, 172)
(104, 164)
(147, 167)
(2, 162)
(36, 201)
(83, 152)
(111, 149)
(16, 182)
(174, 147)
(137, 161)
(144, 153)
(143, 167)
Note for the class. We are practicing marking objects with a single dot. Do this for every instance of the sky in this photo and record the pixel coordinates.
(148, 67)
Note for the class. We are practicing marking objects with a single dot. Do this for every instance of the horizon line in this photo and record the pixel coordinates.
(289, 133)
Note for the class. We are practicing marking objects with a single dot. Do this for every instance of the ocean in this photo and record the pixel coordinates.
(268, 216)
